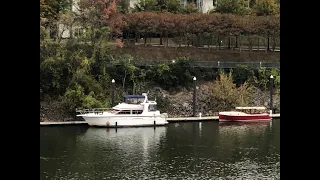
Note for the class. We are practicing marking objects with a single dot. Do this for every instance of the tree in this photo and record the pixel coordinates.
(230, 7)
(173, 6)
(45, 10)
(228, 94)
(75, 67)
(65, 23)
(146, 5)
(189, 8)
(99, 19)
(51, 10)
(266, 7)
(123, 6)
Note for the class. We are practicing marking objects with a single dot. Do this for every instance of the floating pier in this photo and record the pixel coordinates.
(206, 118)
(63, 123)
(178, 119)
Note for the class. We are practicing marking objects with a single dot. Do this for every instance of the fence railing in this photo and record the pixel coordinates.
(209, 64)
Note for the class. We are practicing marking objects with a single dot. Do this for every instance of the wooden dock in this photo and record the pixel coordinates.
(206, 118)
(179, 119)
(63, 123)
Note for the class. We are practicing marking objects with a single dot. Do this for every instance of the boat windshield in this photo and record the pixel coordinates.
(134, 99)
(253, 111)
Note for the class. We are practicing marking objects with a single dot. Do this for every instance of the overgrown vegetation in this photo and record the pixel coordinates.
(78, 71)
(227, 94)
(82, 80)
(248, 7)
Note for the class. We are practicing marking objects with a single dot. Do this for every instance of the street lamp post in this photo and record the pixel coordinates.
(113, 89)
(194, 96)
(271, 90)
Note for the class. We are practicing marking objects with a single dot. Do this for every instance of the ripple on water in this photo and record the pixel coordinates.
(145, 153)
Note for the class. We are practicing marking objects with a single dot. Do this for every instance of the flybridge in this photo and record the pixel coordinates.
(134, 99)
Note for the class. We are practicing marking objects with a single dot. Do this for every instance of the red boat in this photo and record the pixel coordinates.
(245, 114)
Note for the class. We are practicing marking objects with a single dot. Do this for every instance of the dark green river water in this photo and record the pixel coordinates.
(191, 150)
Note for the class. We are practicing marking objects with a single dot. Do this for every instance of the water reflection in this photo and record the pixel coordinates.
(251, 149)
(206, 150)
(242, 128)
(129, 141)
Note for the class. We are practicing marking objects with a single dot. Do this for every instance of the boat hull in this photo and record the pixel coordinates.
(112, 121)
(242, 117)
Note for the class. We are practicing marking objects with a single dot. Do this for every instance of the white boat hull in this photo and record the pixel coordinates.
(124, 121)
(136, 110)
(244, 117)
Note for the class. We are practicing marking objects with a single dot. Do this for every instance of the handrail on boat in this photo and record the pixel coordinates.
(94, 110)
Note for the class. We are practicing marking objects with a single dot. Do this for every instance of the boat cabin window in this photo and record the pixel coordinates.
(253, 111)
(114, 111)
(152, 107)
(136, 111)
(134, 99)
(124, 112)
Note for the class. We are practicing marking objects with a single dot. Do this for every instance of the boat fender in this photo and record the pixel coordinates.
(108, 123)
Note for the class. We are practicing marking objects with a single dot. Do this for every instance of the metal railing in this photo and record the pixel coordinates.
(209, 64)
(95, 110)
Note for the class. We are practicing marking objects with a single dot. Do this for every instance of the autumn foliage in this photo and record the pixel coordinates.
(198, 23)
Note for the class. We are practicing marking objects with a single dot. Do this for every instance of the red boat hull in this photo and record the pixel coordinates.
(245, 118)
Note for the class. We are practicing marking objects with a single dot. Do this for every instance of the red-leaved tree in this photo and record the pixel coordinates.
(101, 19)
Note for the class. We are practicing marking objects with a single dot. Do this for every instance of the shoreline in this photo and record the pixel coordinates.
(170, 120)
(176, 105)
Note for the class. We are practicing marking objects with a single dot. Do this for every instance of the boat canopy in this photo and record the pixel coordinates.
(134, 99)
(260, 108)
(134, 96)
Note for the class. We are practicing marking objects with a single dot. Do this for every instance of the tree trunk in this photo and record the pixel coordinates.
(258, 43)
(185, 39)
(216, 42)
(274, 44)
(236, 41)
(133, 87)
(250, 43)
(137, 36)
(268, 43)
(210, 44)
(71, 32)
(160, 38)
(124, 79)
(167, 39)
(145, 40)
(180, 39)
(240, 43)
(192, 39)
(229, 42)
